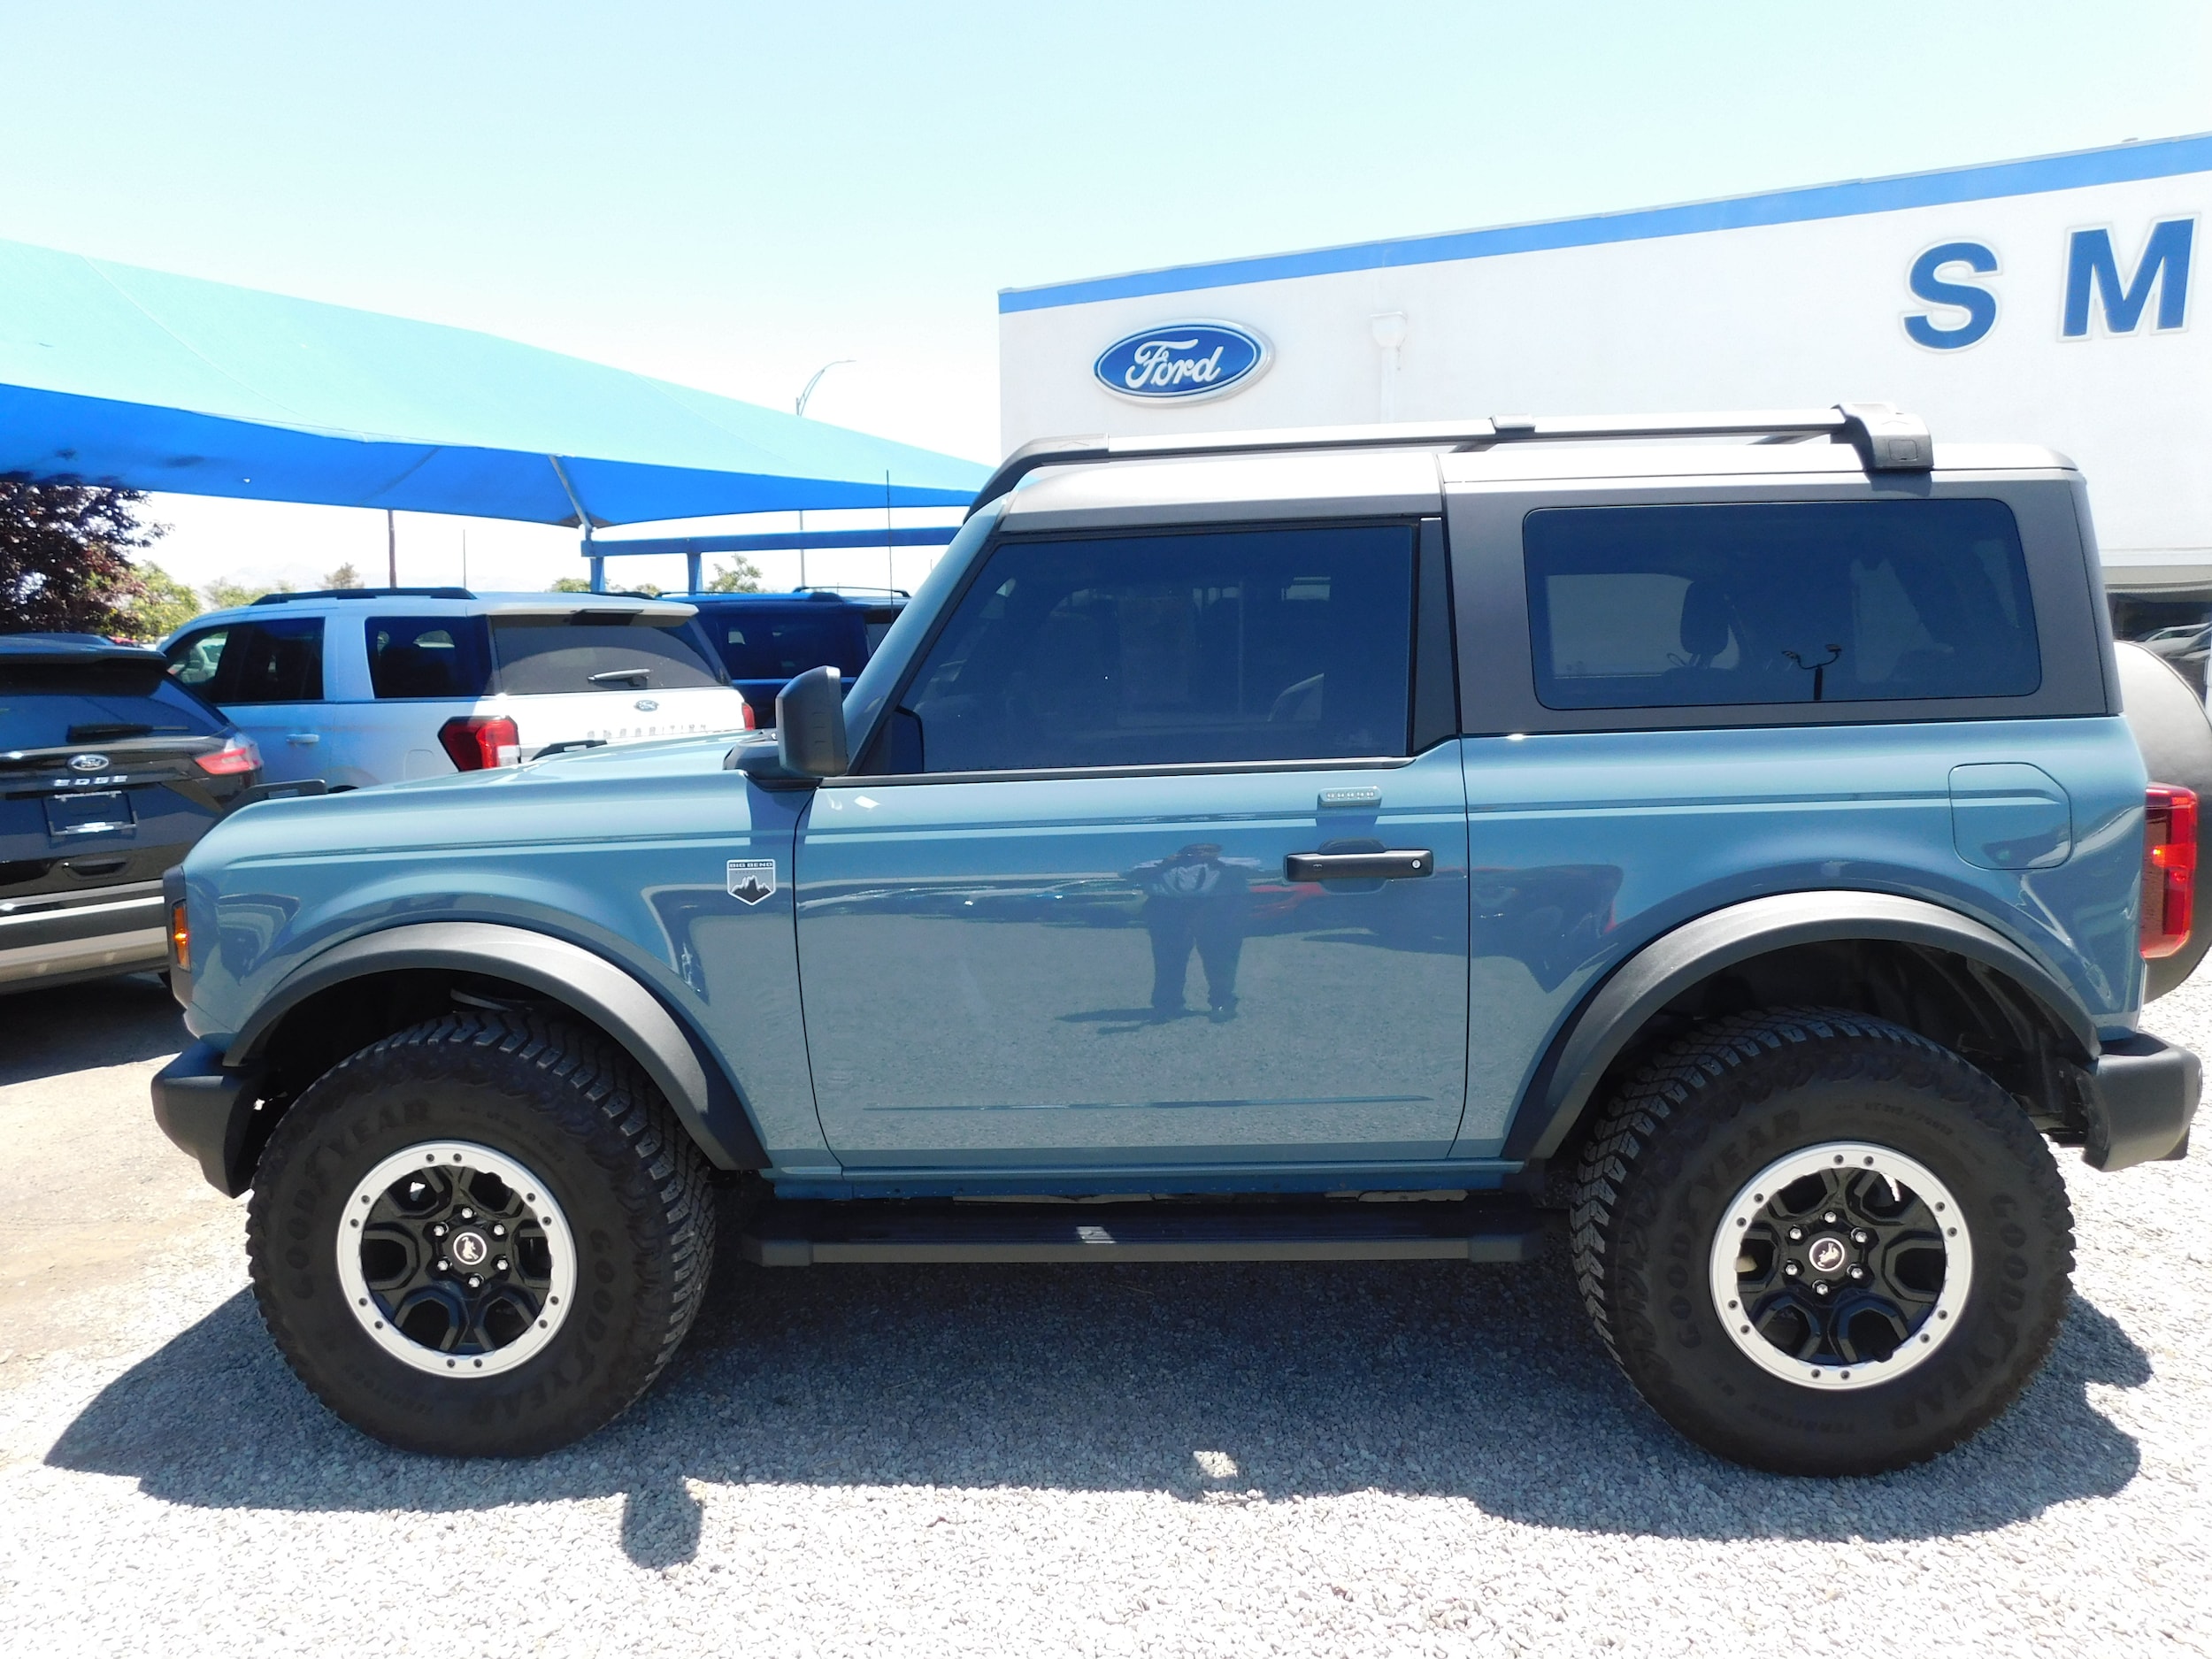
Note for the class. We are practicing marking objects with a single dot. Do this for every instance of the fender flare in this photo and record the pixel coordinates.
(610, 997)
(1671, 964)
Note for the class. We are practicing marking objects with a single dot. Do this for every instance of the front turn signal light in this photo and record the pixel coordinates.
(180, 938)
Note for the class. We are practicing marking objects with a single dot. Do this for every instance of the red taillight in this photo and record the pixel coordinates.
(749, 724)
(480, 741)
(2170, 867)
(227, 763)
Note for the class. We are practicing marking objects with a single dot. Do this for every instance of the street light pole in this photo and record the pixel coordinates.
(391, 551)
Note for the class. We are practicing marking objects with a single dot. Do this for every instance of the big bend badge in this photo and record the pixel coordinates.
(752, 879)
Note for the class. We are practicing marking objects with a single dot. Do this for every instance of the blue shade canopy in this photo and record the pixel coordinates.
(116, 375)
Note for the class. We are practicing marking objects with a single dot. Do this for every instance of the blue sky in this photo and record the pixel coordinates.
(732, 195)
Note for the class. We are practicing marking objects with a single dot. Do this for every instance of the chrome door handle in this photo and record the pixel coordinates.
(1364, 866)
(303, 737)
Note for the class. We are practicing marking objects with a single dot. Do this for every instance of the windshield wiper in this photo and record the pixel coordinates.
(635, 676)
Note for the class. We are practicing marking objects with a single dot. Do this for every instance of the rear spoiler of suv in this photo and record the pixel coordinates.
(1888, 441)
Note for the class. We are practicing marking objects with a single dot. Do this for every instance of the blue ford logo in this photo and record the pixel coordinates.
(1182, 362)
(87, 763)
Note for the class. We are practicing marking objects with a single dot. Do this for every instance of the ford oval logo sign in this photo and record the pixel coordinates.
(1182, 362)
(87, 763)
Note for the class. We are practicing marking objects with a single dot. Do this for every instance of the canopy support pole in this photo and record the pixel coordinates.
(598, 565)
(691, 572)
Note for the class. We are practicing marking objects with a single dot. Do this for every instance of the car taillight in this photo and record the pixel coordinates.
(748, 724)
(480, 741)
(180, 938)
(2170, 868)
(230, 760)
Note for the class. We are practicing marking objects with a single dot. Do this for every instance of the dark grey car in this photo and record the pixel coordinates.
(110, 771)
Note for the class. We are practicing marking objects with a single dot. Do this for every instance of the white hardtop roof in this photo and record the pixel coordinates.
(1322, 482)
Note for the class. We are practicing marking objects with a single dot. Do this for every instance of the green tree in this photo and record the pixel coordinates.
(740, 576)
(64, 556)
(162, 605)
(230, 595)
(570, 585)
(344, 576)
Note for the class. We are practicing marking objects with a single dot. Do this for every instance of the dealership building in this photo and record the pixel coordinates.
(2045, 301)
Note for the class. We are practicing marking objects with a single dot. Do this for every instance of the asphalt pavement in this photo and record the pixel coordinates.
(1354, 1459)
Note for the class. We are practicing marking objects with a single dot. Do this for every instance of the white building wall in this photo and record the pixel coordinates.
(1809, 312)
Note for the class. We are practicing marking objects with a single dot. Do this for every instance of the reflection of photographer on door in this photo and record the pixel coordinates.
(1196, 899)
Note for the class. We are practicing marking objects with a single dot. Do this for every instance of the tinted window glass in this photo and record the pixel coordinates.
(276, 661)
(427, 657)
(540, 656)
(1843, 602)
(1165, 649)
(776, 641)
(53, 703)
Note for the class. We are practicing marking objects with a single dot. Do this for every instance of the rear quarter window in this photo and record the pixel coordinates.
(544, 655)
(775, 642)
(428, 656)
(1809, 602)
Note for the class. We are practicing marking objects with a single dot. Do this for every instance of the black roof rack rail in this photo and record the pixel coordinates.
(366, 593)
(1888, 441)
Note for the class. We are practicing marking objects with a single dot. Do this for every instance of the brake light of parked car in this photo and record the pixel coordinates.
(2170, 868)
(747, 721)
(180, 938)
(477, 742)
(230, 760)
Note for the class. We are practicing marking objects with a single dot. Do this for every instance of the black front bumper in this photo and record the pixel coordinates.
(2142, 1098)
(213, 1113)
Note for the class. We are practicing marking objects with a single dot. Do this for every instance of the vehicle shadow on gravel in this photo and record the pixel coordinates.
(103, 1022)
(1477, 1383)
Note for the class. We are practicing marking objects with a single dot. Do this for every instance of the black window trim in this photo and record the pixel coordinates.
(1424, 525)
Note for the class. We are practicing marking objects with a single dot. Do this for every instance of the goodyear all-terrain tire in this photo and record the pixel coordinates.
(1820, 1244)
(483, 1236)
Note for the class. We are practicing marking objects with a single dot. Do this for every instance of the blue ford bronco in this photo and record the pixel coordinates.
(1719, 843)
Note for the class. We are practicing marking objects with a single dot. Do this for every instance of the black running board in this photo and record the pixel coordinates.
(791, 1233)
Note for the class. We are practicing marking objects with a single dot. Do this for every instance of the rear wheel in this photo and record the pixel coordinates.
(1820, 1244)
(482, 1236)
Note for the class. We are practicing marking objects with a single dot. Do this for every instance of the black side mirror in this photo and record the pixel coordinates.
(810, 726)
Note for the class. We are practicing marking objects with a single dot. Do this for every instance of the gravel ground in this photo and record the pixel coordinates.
(1351, 1460)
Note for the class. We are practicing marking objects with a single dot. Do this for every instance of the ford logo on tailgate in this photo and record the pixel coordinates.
(1182, 362)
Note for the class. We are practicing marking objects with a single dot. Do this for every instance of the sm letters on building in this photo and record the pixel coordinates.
(2102, 298)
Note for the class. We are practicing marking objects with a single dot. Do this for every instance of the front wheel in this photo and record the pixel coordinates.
(481, 1237)
(1819, 1244)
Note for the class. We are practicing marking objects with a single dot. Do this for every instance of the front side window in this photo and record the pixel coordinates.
(1185, 648)
(543, 655)
(276, 661)
(427, 657)
(1805, 602)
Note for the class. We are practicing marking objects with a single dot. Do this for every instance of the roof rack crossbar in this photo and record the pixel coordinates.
(1888, 441)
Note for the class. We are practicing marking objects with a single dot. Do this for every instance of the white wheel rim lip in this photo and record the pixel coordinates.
(368, 1311)
(1934, 1331)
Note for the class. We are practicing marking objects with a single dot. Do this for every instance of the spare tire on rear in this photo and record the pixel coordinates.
(2175, 734)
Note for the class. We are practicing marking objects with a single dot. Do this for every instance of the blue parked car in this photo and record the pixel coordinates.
(765, 639)
(1731, 855)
